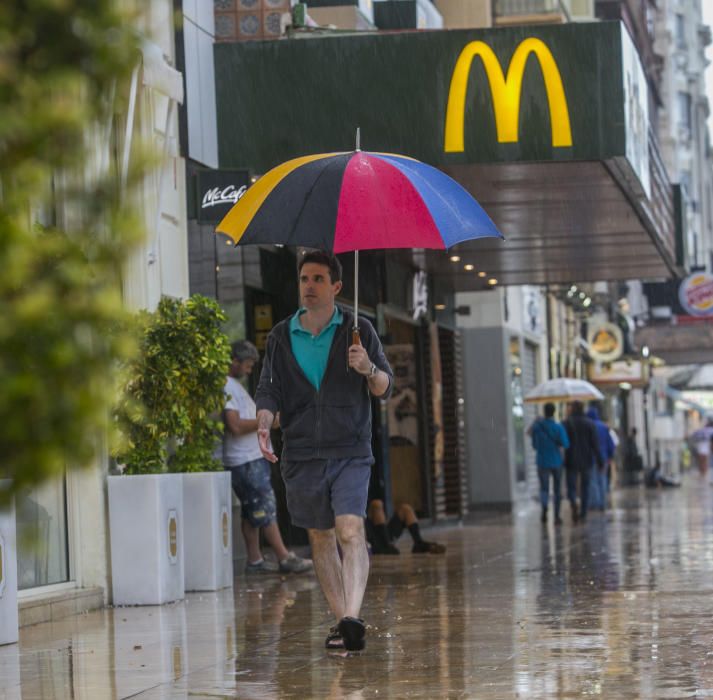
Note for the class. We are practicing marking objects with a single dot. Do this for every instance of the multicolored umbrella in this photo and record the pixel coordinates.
(354, 201)
(342, 202)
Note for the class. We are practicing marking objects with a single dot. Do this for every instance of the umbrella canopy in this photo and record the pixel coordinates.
(563, 389)
(698, 378)
(355, 201)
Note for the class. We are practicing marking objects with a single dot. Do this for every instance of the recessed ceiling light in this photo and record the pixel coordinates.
(439, 307)
(492, 281)
(482, 274)
(469, 267)
(455, 258)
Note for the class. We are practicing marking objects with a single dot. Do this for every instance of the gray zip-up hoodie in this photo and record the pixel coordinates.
(334, 422)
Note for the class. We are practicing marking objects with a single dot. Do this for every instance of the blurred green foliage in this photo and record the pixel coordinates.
(173, 389)
(65, 231)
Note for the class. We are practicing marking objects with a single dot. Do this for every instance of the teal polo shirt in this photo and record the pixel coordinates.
(312, 351)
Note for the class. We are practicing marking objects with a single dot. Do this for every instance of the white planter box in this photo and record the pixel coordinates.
(207, 517)
(146, 534)
(8, 577)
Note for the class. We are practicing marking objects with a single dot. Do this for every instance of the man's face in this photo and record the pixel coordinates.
(316, 289)
(241, 368)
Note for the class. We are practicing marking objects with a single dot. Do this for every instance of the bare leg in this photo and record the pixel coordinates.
(355, 565)
(274, 539)
(251, 535)
(406, 514)
(377, 514)
(328, 569)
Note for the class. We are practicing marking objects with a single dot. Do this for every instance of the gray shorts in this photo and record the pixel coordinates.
(318, 490)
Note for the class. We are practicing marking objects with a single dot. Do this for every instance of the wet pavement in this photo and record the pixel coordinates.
(619, 607)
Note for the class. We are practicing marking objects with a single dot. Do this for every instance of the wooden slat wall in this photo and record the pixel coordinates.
(437, 485)
(455, 474)
(450, 491)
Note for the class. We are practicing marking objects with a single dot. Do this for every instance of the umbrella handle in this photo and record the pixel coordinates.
(356, 340)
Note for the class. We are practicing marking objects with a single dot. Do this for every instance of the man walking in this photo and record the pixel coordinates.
(319, 380)
(549, 439)
(582, 452)
(250, 472)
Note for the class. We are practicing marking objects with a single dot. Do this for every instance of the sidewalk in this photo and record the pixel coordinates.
(617, 608)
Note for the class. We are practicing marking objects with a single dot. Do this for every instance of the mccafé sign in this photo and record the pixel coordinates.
(506, 91)
(217, 191)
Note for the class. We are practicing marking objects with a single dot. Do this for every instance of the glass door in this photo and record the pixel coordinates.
(42, 542)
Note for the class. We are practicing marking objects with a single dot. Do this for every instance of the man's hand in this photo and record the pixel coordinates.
(359, 360)
(263, 438)
(265, 420)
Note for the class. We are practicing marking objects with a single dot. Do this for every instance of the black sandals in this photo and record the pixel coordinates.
(352, 631)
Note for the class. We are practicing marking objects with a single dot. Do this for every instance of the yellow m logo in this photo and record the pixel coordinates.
(506, 93)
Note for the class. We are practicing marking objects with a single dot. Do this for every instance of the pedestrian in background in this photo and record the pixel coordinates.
(250, 471)
(582, 452)
(549, 439)
(701, 442)
(598, 483)
(320, 381)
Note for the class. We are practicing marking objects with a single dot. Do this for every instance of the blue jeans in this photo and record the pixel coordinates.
(572, 476)
(598, 488)
(544, 476)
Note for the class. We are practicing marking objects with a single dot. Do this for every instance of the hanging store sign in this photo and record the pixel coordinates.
(606, 341)
(217, 191)
(506, 93)
(696, 294)
(634, 373)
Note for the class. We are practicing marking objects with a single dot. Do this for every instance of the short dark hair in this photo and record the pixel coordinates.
(577, 408)
(549, 410)
(242, 350)
(320, 257)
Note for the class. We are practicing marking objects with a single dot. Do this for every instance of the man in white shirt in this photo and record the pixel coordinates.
(250, 471)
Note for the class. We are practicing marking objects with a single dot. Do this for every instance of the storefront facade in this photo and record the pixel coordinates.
(557, 150)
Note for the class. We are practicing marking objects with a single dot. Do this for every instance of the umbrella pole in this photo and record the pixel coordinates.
(355, 328)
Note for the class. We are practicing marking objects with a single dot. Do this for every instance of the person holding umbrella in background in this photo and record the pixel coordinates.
(319, 380)
(583, 451)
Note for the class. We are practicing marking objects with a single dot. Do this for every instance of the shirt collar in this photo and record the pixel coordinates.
(296, 327)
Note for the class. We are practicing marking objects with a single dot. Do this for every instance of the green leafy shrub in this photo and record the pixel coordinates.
(65, 232)
(173, 388)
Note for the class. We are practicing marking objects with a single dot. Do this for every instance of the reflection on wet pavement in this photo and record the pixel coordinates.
(619, 607)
